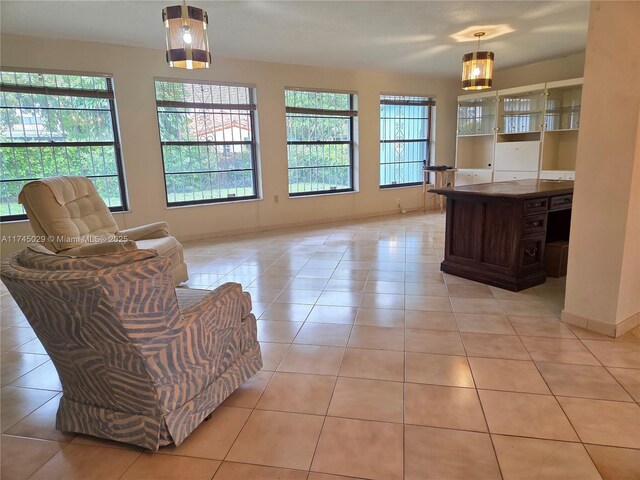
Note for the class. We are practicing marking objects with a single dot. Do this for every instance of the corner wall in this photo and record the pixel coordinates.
(603, 280)
(134, 69)
(562, 68)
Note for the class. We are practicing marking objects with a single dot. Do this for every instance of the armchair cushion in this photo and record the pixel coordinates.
(103, 248)
(37, 257)
(65, 209)
(168, 247)
(146, 232)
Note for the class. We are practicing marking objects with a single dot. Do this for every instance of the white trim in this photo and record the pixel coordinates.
(473, 96)
(572, 82)
(536, 87)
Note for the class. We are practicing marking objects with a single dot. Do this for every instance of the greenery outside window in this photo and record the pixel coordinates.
(58, 124)
(207, 134)
(320, 128)
(405, 139)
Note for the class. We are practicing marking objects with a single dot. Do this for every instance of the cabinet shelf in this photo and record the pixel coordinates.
(514, 113)
(487, 118)
(553, 130)
(575, 108)
(518, 136)
(475, 134)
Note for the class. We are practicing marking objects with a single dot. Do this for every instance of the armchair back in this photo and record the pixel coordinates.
(64, 209)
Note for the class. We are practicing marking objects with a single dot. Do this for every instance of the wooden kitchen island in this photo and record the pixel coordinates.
(496, 232)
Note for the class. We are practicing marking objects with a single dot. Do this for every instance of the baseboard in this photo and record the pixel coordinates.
(628, 324)
(294, 225)
(601, 327)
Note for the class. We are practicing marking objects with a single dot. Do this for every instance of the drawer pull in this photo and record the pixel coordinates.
(567, 200)
(533, 224)
(537, 204)
(532, 252)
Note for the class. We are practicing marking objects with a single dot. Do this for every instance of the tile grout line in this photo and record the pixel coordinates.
(484, 415)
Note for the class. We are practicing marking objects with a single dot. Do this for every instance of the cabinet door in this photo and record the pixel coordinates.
(517, 156)
(553, 175)
(464, 178)
(506, 176)
(481, 176)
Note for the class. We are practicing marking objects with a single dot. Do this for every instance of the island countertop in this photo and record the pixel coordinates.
(512, 189)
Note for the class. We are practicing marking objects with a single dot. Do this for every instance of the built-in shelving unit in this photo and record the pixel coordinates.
(519, 133)
(476, 137)
(561, 124)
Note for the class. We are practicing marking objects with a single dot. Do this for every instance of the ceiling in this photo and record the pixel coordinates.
(409, 37)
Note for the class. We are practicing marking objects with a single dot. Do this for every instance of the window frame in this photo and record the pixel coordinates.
(430, 102)
(109, 95)
(252, 108)
(352, 113)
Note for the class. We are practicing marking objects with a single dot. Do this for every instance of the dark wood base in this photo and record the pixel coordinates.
(501, 281)
(496, 233)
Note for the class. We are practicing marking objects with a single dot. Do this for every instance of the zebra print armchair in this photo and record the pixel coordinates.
(139, 361)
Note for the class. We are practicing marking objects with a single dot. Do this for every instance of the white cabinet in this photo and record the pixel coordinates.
(473, 176)
(482, 176)
(505, 176)
(518, 156)
(464, 177)
(557, 175)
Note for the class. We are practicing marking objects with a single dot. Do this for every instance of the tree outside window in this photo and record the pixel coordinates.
(58, 124)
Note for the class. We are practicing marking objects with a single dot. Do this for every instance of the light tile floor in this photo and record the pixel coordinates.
(376, 366)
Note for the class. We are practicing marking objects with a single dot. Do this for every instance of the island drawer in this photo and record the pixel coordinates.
(531, 252)
(561, 202)
(535, 205)
(534, 225)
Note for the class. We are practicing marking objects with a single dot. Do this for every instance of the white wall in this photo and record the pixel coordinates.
(134, 69)
(563, 68)
(603, 281)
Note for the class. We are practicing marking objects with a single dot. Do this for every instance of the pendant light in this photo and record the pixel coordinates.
(187, 43)
(477, 68)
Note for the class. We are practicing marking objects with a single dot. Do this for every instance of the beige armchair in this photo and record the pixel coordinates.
(139, 361)
(71, 217)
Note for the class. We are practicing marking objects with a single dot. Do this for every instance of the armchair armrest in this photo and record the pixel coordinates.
(198, 347)
(221, 308)
(145, 232)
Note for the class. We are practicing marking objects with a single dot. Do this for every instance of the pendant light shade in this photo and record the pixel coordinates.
(187, 43)
(477, 69)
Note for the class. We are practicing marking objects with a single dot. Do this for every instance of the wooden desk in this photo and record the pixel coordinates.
(496, 232)
(442, 179)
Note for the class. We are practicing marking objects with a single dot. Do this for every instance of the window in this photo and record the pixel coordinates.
(207, 134)
(405, 139)
(319, 142)
(57, 124)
